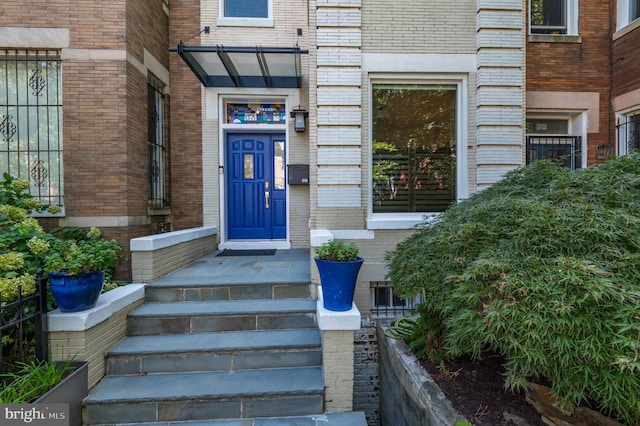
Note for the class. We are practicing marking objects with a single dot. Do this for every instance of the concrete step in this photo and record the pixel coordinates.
(211, 316)
(206, 396)
(196, 291)
(327, 419)
(231, 350)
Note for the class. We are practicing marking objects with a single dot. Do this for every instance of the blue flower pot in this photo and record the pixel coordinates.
(75, 293)
(338, 280)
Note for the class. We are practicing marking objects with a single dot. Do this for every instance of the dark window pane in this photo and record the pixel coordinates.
(549, 16)
(634, 10)
(414, 143)
(246, 8)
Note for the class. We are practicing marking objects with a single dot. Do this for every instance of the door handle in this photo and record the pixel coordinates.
(266, 199)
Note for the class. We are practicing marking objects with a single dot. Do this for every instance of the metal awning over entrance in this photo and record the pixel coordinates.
(222, 66)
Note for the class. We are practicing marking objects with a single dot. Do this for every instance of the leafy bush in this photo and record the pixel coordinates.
(544, 268)
(337, 250)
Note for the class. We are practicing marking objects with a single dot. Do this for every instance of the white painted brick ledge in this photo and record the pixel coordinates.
(167, 239)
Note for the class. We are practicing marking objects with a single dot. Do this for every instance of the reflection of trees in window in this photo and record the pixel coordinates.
(548, 16)
(413, 149)
(31, 121)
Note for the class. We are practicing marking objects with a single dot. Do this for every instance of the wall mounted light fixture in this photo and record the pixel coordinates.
(299, 114)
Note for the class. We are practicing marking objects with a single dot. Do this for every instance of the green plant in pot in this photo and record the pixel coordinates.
(338, 265)
(77, 267)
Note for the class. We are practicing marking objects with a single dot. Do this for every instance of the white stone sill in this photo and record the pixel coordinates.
(168, 239)
(108, 304)
(333, 320)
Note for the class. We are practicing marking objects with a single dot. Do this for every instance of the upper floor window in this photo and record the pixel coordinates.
(414, 158)
(628, 11)
(548, 16)
(246, 9)
(31, 121)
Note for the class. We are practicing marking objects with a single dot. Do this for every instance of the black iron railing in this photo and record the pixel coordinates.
(628, 129)
(23, 325)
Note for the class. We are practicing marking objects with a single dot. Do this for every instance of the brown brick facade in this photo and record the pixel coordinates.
(626, 63)
(577, 66)
(104, 105)
(186, 121)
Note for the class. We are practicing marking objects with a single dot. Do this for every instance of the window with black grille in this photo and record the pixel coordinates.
(31, 121)
(157, 137)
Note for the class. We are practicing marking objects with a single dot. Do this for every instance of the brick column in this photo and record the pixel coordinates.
(337, 354)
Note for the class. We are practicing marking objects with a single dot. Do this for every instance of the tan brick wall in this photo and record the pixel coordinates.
(337, 367)
(151, 265)
(578, 67)
(427, 26)
(91, 345)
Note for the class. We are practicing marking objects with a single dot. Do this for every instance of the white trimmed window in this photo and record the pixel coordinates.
(414, 147)
(628, 132)
(628, 11)
(553, 17)
(246, 13)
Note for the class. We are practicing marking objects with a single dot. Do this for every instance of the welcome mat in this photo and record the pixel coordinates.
(264, 252)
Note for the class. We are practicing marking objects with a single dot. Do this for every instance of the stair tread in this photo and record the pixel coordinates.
(207, 385)
(225, 307)
(354, 418)
(217, 341)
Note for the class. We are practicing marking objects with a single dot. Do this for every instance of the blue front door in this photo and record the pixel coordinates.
(256, 187)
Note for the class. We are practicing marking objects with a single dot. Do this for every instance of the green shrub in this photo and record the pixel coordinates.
(544, 268)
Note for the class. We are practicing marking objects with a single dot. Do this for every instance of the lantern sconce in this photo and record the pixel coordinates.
(299, 115)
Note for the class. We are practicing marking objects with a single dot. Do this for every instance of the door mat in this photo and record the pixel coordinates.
(265, 252)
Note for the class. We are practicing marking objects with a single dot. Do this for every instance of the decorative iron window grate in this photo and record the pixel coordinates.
(385, 303)
(31, 121)
(565, 150)
(158, 153)
(628, 129)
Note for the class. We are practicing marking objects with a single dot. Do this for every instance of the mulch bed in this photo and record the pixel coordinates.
(476, 390)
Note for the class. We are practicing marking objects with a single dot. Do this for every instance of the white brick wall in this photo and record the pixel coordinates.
(501, 88)
(339, 96)
(339, 176)
(336, 135)
(333, 116)
(339, 156)
(341, 57)
(339, 77)
(339, 18)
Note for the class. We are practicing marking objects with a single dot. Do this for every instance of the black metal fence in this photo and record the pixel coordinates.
(23, 325)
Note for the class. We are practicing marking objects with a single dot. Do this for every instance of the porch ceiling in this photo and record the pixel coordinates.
(223, 66)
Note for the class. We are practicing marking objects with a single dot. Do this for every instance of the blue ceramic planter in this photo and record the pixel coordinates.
(338, 280)
(75, 293)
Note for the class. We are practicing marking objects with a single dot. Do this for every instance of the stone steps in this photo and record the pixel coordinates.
(212, 316)
(205, 396)
(328, 419)
(232, 350)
